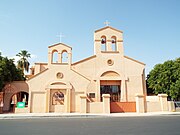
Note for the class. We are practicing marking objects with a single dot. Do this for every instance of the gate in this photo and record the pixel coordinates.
(119, 107)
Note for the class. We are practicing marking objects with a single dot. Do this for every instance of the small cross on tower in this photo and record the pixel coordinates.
(106, 23)
(60, 37)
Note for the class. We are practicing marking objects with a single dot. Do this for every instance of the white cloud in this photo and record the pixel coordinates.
(16, 58)
(1, 53)
(33, 56)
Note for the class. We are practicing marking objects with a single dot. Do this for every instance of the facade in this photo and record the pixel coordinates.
(108, 81)
(60, 85)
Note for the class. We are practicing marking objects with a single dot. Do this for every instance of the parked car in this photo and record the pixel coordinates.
(177, 105)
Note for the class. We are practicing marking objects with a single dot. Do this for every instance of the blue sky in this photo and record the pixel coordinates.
(151, 27)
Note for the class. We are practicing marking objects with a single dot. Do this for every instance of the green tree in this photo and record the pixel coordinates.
(165, 78)
(23, 62)
(9, 72)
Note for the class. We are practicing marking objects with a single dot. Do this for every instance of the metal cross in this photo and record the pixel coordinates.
(60, 36)
(106, 23)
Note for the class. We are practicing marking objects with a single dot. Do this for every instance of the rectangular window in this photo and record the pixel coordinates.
(91, 95)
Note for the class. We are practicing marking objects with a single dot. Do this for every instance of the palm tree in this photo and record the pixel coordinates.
(23, 62)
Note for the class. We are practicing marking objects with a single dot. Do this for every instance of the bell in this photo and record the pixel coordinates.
(103, 41)
(113, 41)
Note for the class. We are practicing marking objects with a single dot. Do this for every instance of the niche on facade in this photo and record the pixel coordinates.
(58, 98)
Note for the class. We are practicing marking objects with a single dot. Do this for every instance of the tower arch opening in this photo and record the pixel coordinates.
(113, 43)
(103, 43)
(54, 56)
(64, 56)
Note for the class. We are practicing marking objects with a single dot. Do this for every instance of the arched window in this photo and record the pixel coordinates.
(55, 56)
(64, 56)
(113, 43)
(103, 43)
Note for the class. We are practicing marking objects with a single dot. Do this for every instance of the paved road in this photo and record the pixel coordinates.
(157, 125)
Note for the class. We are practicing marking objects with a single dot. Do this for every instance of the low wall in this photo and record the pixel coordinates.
(153, 106)
(158, 103)
(94, 107)
(22, 110)
(152, 99)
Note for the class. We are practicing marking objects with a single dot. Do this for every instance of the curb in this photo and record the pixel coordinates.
(71, 115)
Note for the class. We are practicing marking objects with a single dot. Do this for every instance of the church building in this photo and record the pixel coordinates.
(61, 86)
(106, 82)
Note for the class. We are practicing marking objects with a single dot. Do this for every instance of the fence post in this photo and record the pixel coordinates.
(106, 103)
(140, 103)
(163, 102)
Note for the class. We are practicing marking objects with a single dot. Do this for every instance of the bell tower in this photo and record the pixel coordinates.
(59, 54)
(108, 40)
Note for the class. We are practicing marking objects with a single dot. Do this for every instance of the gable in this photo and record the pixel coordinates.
(108, 27)
(60, 44)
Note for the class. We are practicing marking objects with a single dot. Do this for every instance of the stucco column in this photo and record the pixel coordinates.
(109, 46)
(68, 102)
(163, 102)
(47, 100)
(59, 57)
(49, 57)
(171, 106)
(69, 58)
(106, 103)
(123, 91)
(140, 103)
(98, 98)
(83, 104)
(30, 102)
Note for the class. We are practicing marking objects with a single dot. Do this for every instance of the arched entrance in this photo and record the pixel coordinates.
(13, 93)
(16, 98)
(110, 83)
(115, 85)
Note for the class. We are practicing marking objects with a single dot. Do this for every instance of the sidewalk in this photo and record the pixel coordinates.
(79, 115)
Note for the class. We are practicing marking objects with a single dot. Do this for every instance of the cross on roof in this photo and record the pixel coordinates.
(60, 37)
(106, 23)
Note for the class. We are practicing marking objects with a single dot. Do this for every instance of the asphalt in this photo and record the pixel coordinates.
(80, 115)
